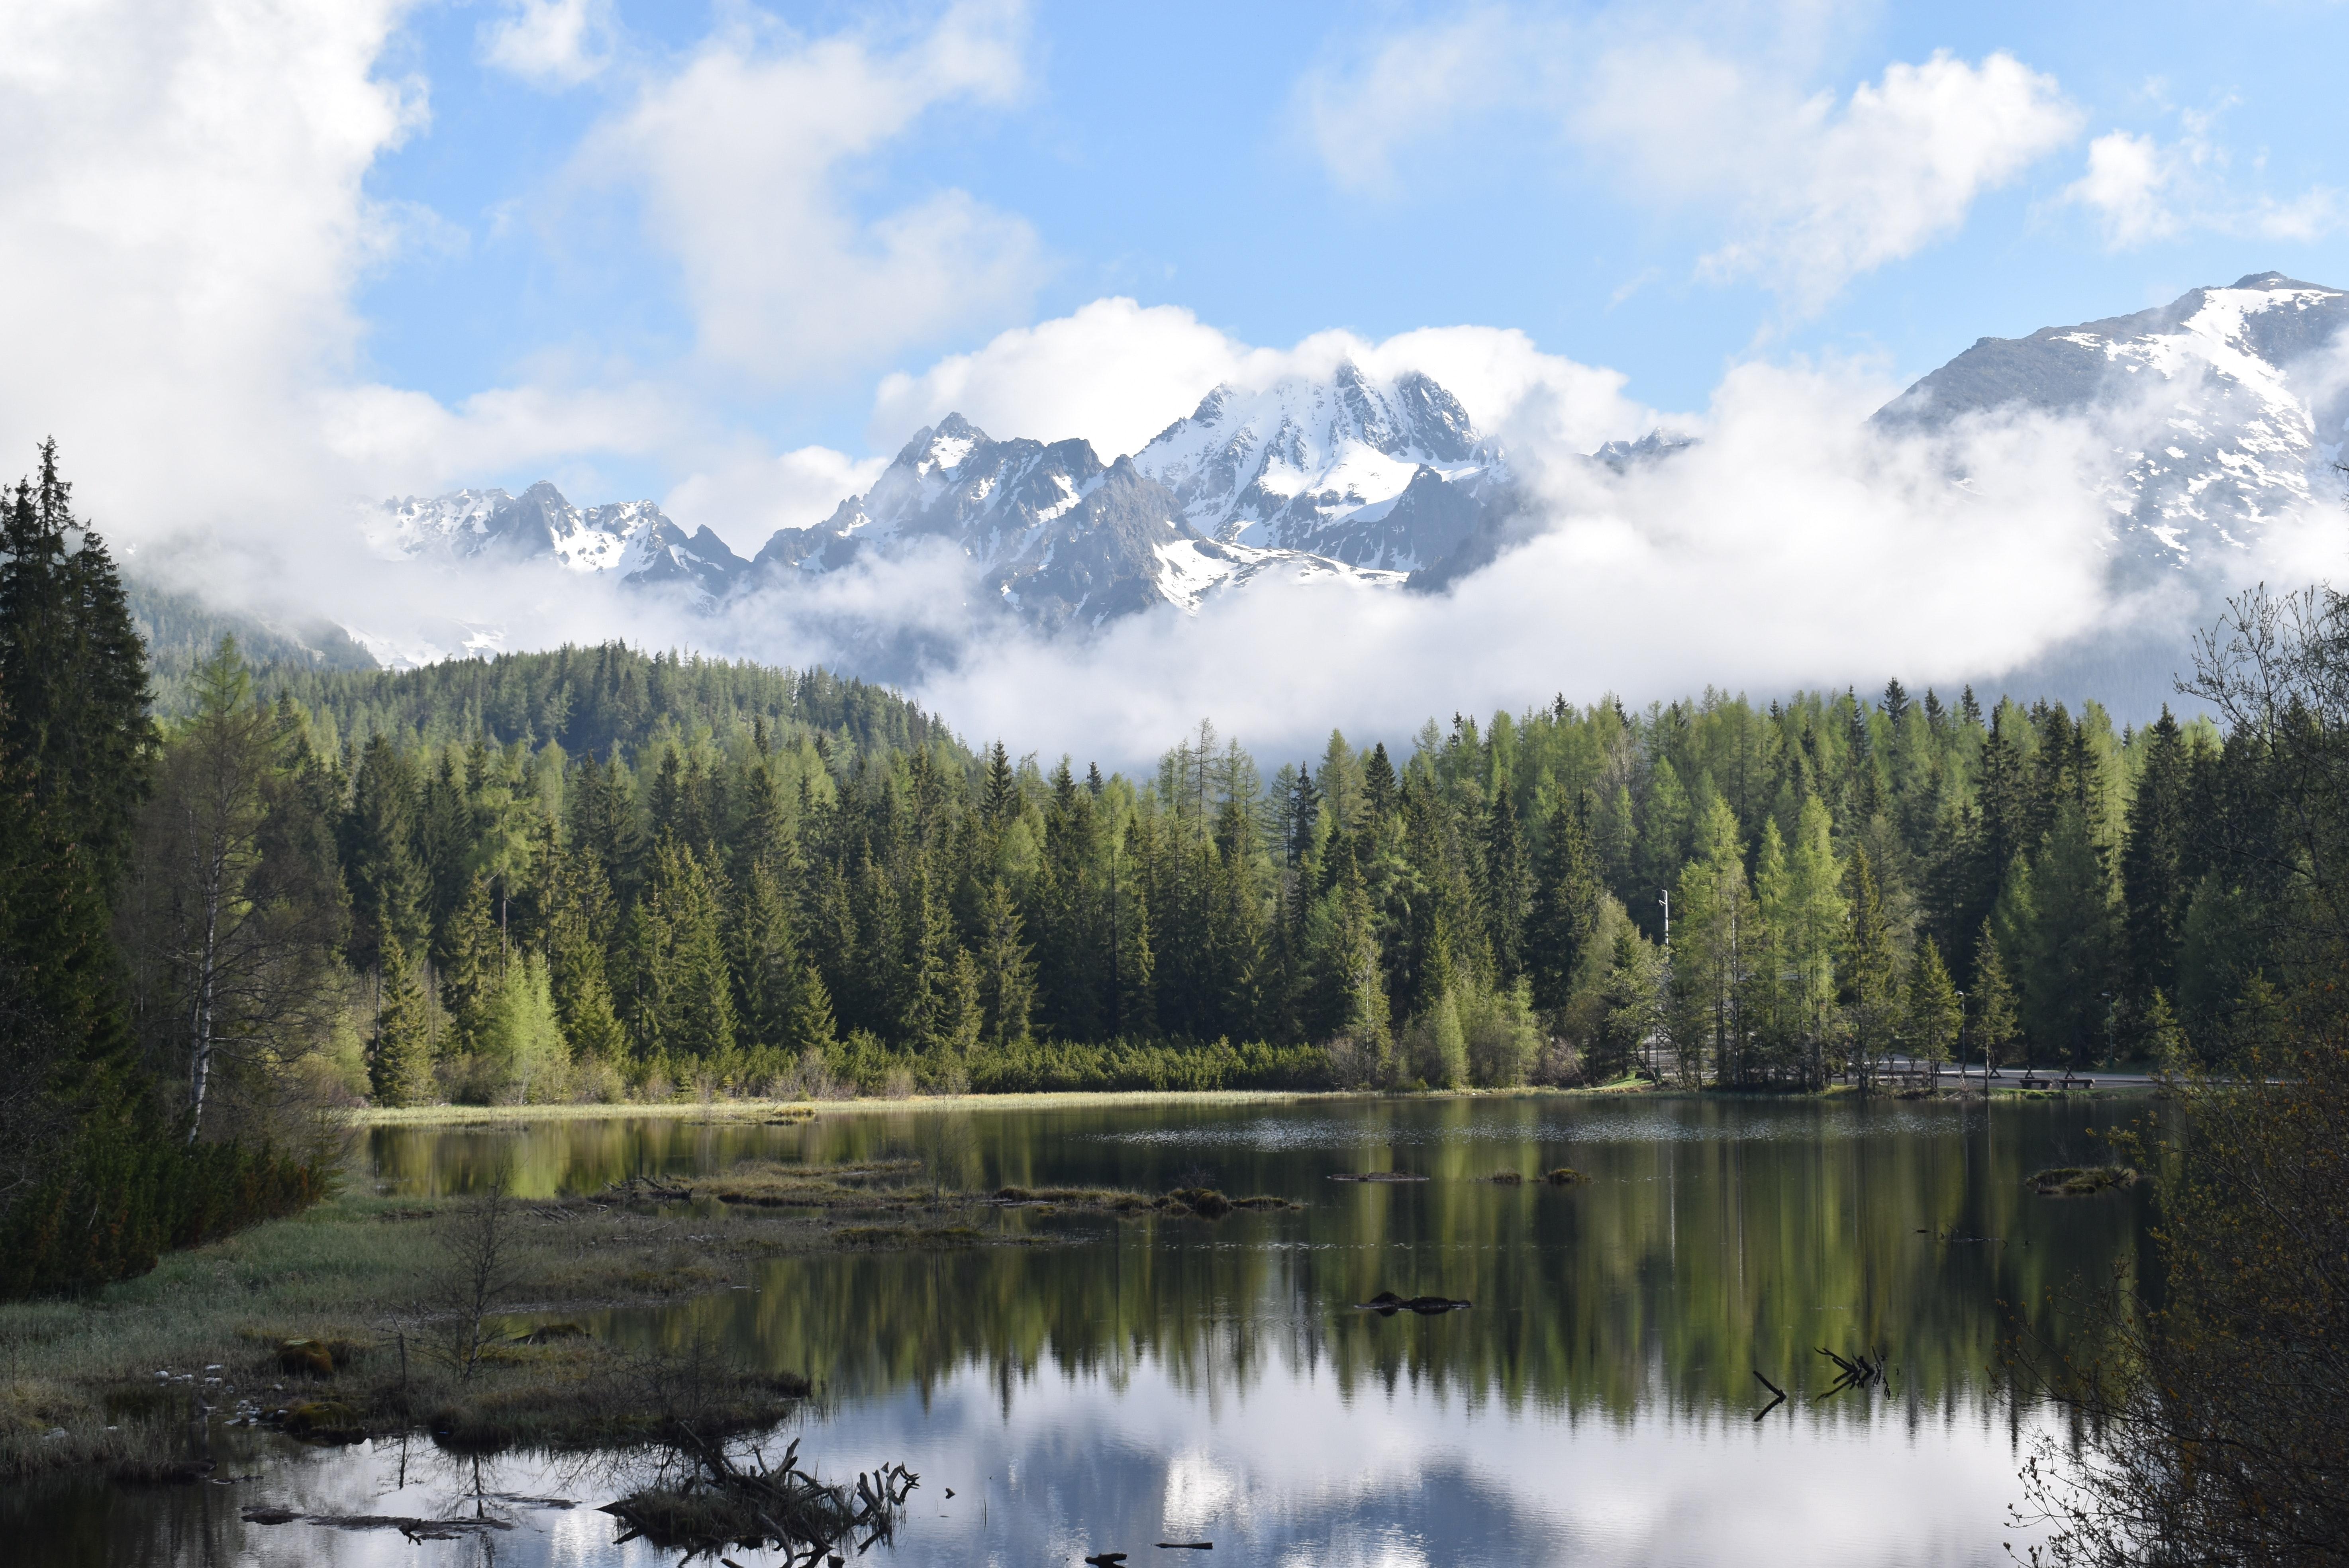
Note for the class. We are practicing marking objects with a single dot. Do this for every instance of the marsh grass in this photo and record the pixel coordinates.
(343, 1305)
(1203, 1201)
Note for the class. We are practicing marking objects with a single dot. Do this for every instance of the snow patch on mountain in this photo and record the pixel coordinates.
(1313, 465)
(2218, 421)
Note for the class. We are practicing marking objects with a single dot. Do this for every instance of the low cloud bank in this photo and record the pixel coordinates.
(1793, 545)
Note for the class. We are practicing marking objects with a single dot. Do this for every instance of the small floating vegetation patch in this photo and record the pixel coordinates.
(1565, 1176)
(1377, 1176)
(774, 1184)
(1507, 1179)
(1386, 1304)
(710, 1500)
(1205, 1202)
(2082, 1181)
(903, 1237)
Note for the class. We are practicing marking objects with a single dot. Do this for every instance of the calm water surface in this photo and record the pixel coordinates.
(1186, 1380)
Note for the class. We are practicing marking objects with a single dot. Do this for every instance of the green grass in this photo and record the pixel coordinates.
(354, 1277)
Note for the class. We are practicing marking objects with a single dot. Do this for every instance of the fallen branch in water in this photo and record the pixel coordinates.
(719, 1502)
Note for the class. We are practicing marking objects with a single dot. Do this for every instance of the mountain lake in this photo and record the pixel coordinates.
(1136, 1380)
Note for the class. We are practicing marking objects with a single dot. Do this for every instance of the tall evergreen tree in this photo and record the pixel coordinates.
(1566, 902)
(2153, 884)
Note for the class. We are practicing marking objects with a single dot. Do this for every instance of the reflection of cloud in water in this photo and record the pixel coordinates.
(1665, 1124)
(1292, 1471)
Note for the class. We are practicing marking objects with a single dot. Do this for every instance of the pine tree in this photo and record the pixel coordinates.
(1872, 979)
(999, 801)
(1440, 1047)
(400, 1055)
(1935, 1013)
(472, 965)
(581, 925)
(1380, 793)
(2153, 886)
(1565, 909)
(1995, 1027)
(380, 857)
(74, 724)
(1007, 975)
(2069, 974)
(1508, 887)
(690, 1012)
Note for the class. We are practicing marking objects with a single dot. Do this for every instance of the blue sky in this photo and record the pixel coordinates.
(1252, 165)
(266, 262)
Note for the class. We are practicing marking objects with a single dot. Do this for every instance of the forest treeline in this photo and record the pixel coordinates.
(102, 1164)
(597, 872)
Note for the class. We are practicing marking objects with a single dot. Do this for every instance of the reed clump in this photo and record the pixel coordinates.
(2082, 1181)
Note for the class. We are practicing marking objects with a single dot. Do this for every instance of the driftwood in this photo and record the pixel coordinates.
(722, 1502)
(1860, 1372)
(1377, 1176)
(1778, 1394)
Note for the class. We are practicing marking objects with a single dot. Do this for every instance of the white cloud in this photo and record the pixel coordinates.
(2125, 183)
(742, 160)
(2142, 190)
(556, 43)
(745, 494)
(1413, 82)
(185, 223)
(1704, 107)
(1115, 373)
(1899, 166)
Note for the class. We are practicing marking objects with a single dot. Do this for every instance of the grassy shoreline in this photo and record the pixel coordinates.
(756, 1110)
(340, 1321)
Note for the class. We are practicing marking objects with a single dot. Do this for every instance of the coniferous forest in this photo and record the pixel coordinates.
(597, 873)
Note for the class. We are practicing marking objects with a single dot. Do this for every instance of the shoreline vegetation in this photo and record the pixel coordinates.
(455, 1318)
(754, 1109)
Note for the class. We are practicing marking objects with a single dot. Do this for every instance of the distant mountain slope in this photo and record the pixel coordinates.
(1059, 539)
(2224, 432)
(1327, 466)
(631, 539)
(178, 630)
(2223, 403)
(591, 700)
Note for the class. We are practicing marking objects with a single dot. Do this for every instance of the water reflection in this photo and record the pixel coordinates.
(1177, 1379)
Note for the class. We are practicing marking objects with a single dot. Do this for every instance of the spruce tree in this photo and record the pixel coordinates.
(1995, 1024)
(999, 797)
(1508, 887)
(2153, 885)
(400, 1055)
(379, 859)
(1007, 974)
(471, 965)
(1930, 1030)
(1565, 910)
(1872, 979)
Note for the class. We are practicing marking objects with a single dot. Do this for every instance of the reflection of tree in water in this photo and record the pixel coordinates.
(1686, 1262)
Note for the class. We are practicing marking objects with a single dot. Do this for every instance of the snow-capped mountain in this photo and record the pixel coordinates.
(1382, 474)
(2226, 405)
(1058, 538)
(2223, 403)
(632, 538)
